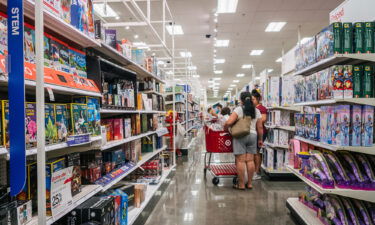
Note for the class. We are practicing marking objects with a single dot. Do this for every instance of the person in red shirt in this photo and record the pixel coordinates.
(256, 98)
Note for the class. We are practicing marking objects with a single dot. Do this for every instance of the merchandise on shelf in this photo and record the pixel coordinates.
(275, 159)
(287, 90)
(74, 160)
(53, 165)
(62, 122)
(348, 39)
(91, 166)
(368, 81)
(306, 54)
(78, 119)
(111, 38)
(308, 125)
(329, 41)
(118, 93)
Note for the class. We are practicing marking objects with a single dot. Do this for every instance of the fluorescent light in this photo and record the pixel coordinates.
(104, 10)
(218, 72)
(169, 72)
(256, 52)
(177, 29)
(230, 89)
(221, 43)
(196, 76)
(305, 39)
(279, 59)
(236, 81)
(217, 78)
(257, 78)
(215, 20)
(127, 27)
(240, 75)
(275, 26)
(269, 70)
(185, 54)
(215, 30)
(247, 66)
(215, 50)
(117, 17)
(139, 44)
(219, 61)
(233, 85)
(192, 68)
(226, 6)
(215, 88)
(161, 62)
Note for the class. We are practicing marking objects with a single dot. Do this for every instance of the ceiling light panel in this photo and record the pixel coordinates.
(247, 66)
(217, 78)
(256, 52)
(196, 76)
(230, 89)
(275, 26)
(236, 81)
(104, 10)
(279, 59)
(186, 54)
(233, 85)
(226, 6)
(219, 61)
(192, 68)
(218, 72)
(240, 75)
(177, 29)
(221, 43)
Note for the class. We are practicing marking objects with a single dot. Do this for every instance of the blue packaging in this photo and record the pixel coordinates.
(344, 115)
(329, 111)
(368, 125)
(356, 124)
(77, 14)
(335, 125)
(123, 207)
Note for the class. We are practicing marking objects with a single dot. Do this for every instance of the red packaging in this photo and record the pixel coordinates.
(118, 129)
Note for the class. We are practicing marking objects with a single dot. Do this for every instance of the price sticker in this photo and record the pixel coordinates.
(61, 191)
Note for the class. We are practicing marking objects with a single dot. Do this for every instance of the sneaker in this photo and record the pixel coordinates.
(257, 177)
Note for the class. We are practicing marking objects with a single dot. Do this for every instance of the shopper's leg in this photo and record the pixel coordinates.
(240, 165)
(258, 162)
(250, 169)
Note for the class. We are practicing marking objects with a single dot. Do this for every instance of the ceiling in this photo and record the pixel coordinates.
(245, 29)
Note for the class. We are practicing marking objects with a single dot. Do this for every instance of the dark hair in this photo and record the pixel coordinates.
(219, 105)
(209, 109)
(225, 111)
(248, 106)
(256, 94)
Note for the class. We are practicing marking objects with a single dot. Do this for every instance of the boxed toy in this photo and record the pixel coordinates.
(310, 52)
(64, 60)
(29, 191)
(123, 206)
(29, 41)
(335, 126)
(78, 118)
(337, 37)
(138, 56)
(65, 10)
(311, 88)
(357, 81)
(52, 166)
(62, 122)
(330, 131)
(118, 129)
(50, 126)
(99, 30)
(270, 159)
(323, 124)
(324, 84)
(283, 137)
(369, 37)
(348, 38)
(299, 89)
(348, 81)
(24, 213)
(275, 91)
(344, 118)
(77, 61)
(74, 160)
(298, 54)
(54, 52)
(108, 123)
(90, 19)
(100, 210)
(48, 61)
(31, 129)
(359, 37)
(93, 112)
(3, 35)
(337, 77)
(111, 38)
(368, 81)
(328, 41)
(91, 166)
(127, 128)
(53, 6)
(279, 160)
(368, 125)
(356, 125)
(78, 16)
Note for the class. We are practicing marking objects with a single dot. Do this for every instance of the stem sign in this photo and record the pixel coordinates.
(16, 92)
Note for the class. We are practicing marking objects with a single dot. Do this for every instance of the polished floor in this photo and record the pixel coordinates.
(190, 199)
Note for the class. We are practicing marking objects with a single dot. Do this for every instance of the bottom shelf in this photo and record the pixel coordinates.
(275, 171)
(151, 190)
(302, 213)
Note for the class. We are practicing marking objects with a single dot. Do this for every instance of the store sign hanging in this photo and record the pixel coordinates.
(16, 94)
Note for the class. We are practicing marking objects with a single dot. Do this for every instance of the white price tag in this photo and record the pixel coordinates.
(51, 95)
(61, 191)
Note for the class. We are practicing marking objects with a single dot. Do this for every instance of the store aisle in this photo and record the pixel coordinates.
(189, 199)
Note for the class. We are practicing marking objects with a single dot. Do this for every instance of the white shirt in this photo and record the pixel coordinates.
(239, 113)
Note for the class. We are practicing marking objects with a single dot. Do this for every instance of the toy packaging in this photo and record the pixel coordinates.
(369, 37)
(48, 60)
(348, 38)
(65, 10)
(118, 129)
(311, 88)
(53, 6)
(3, 34)
(90, 19)
(368, 81)
(63, 62)
(337, 77)
(93, 112)
(368, 126)
(24, 213)
(77, 61)
(78, 118)
(99, 30)
(348, 81)
(335, 125)
(356, 125)
(51, 129)
(310, 52)
(344, 120)
(357, 81)
(330, 112)
(323, 124)
(91, 166)
(329, 41)
(29, 41)
(127, 128)
(31, 134)
(324, 84)
(359, 37)
(29, 191)
(52, 166)
(111, 38)
(4, 122)
(138, 56)
(101, 211)
(74, 160)
(55, 52)
(123, 207)
(62, 122)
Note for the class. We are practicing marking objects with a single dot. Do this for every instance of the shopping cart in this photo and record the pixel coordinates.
(219, 142)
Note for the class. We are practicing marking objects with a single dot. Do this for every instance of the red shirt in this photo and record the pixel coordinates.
(263, 110)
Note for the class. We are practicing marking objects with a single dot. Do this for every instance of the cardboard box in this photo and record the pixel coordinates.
(52, 166)
(348, 39)
(369, 37)
(344, 117)
(359, 37)
(118, 129)
(62, 121)
(348, 81)
(74, 160)
(356, 125)
(111, 38)
(139, 194)
(368, 126)
(78, 118)
(368, 81)
(29, 41)
(24, 213)
(77, 61)
(50, 124)
(31, 129)
(337, 77)
(29, 191)
(357, 81)
(93, 112)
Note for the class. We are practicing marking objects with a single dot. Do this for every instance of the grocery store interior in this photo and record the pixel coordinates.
(178, 112)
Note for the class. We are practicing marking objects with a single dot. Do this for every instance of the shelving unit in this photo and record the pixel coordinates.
(304, 214)
(288, 108)
(276, 146)
(359, 101)
(288, 128)
(121, 111)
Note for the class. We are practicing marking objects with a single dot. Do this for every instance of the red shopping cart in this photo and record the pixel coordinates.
(219, 142)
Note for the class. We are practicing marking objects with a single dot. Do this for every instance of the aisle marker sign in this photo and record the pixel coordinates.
(16, 94)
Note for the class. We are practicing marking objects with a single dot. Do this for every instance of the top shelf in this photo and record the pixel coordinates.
(359, 101)
(288, 108)
(351, 59)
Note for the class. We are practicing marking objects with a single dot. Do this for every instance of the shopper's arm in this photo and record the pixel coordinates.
(260, 132)
(264, 118)
(232, 119)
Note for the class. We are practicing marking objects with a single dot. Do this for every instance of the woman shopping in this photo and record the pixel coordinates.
(245, 141)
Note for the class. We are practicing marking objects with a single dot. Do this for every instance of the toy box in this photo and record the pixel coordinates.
(283, 137)
(127, 127)
(324, 84)
(311, 88)
(24, 213)
(3, 35)
(357, 81)
(369, 37)
(101, 211)
(54, 52)
(299, 89)
(29, 41)
(298, 54)
(279, 160)
(48, 60)
(270, 159)
(65, 10)
(356, 125)
(348, 81)
(328, 41)
(335, 125)
(29, 191)
(4, 122)
(123, 206)
(64, 59)
(31, 129)
(52, 166)
(359, 37)
(330, 115)
(118, 129)
(77, 61)
(337, 78)
(50, 126)
(90, 19)
(91, 166)
(62, 122)
(348, 38)
(138, 56)
(337, 37)
(78, 118)
(323, 124)
(53, 6)
(108, 123)
(310, 52)
(368, 125)
(78, 14)
(275, 91)
(344, 118)
(111, 38)
(74, 160)
(93, 112)
(368, 81)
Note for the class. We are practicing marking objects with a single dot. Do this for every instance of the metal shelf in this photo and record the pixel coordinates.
(112, 144)
(361, 149)
(171, 102)
(288, 128)
(119, 111)
(151, 190)
(359, 101)
(152, 92)
(276, 146)
(351, 59)
(304, 214)
(288, 108)
(357, 194)
(275, 171)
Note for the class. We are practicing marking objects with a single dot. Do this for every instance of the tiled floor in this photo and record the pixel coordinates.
(189, 199)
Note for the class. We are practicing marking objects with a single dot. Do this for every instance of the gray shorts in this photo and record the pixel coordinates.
(247, 144)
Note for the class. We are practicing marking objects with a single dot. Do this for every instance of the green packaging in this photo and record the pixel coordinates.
(78, 119)
(359, 37)
(368, 82)
(357, 81)
(347, 38)
(337, 37)
(93, 112)
(62, 122)
(50, 127)
(369, 37)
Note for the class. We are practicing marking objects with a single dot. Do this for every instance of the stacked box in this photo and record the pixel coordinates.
(101, 210)
(279, 160)
(29, 191)
(335, 126)
(330, 130)
(29, 42)
(127, 127)
(91, 166)
(329, 41)
(50, 119)
(118, 129)
(311, 88)
(31, 129)
(324, 84)
(369, 37)
(283, 137)
(368, 81)
(3, 36)
(344, 120)
(337, 77)
(348, 38)
(357, 81)
(93, 112)
(359, 37)
(323, 124)
(62, 122)
(348, 81)
(356, 125)
(368, 126)
(77, 61)
(78, 118)
(52, 166)
(74, 160)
